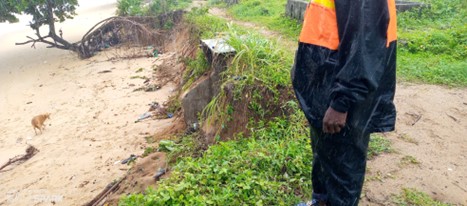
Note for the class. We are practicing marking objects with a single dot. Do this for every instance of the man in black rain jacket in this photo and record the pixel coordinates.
(344, 78)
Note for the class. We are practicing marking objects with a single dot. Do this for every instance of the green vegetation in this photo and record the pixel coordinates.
(407, 138)
(139, 70)
(413, 197)
(155, 7)
(378, 145)
(258, 62)
(432, 44)
(271, 167)
(148, 151)
(266, 13)
(195, 68)
(408, 160)
(138, 77)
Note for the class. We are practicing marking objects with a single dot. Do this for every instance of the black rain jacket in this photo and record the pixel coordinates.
(359, 77)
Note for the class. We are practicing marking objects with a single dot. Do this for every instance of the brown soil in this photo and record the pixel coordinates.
(431, 127)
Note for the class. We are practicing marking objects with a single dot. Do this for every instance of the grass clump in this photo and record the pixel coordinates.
(409, 160)
(148, 151)
(378, 145)
(259, 60)
(413, 197)
(195, 68)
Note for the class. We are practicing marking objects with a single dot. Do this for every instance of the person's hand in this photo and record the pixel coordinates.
(334, 121)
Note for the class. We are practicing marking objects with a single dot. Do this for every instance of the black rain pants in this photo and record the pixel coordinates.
(339, 165)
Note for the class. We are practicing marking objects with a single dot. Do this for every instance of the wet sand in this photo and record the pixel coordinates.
(92, 114)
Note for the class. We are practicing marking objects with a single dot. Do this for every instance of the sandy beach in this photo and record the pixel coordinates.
(92, 114)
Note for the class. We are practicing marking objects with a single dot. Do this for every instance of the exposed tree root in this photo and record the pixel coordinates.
(142, 31)
(108, 189)
(30, 152)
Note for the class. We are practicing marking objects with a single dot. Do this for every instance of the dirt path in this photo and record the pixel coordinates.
(430, 148)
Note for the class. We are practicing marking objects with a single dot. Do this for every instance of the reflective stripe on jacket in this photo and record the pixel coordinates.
(320, 24)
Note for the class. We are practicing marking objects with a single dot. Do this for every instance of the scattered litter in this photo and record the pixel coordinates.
(129, 159)
(450, 169)
(152, 88)
(192, 129)
(153, 106)
(149, 88)
(84, 183)
(117, 162)
(452, 117)
(159, 173)
(28, 102)
(238, 78)
(143, 116)
(104, 71)
(170, 115)
(155, 53)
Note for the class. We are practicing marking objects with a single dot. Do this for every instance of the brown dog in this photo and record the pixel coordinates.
(38, 122)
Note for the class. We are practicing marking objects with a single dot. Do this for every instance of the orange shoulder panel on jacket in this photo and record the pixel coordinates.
(392, 27)
(320, 25)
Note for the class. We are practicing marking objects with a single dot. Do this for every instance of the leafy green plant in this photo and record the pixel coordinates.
(271, 167)
(168, 146)
(163, 6)
(129, 7)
